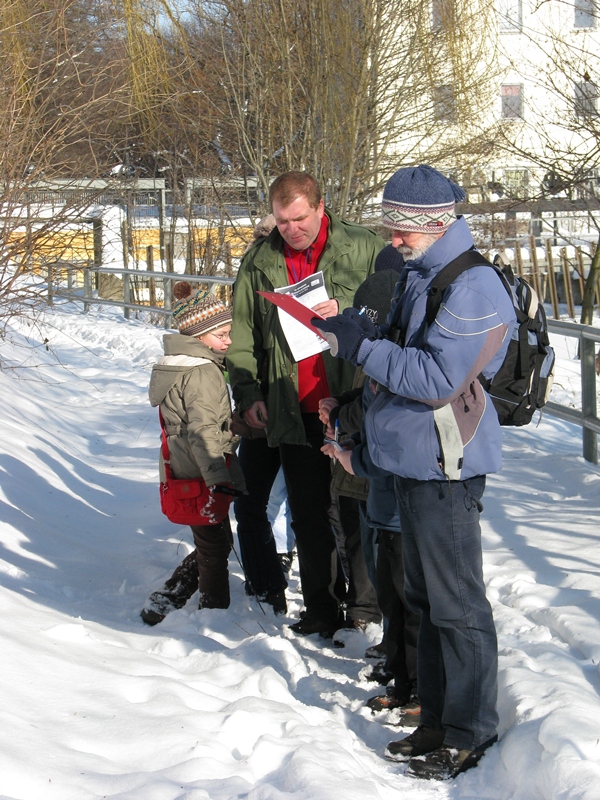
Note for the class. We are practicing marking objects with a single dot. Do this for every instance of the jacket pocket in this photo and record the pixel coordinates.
(456, 424)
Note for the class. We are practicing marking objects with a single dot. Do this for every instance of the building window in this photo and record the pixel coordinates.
(442, 12)
(586, 13)
(510, 15)
(512, 101)
(586, 99)
(444, 106)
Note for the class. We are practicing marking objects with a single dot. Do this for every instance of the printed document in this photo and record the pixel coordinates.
(302, 341)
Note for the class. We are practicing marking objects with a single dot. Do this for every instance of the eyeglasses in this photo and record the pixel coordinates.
(222, 337)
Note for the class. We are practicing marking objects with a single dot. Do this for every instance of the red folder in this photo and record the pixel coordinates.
(298, 311)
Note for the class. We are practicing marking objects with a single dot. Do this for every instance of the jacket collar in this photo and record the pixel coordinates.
(270, 252)
(178, 344)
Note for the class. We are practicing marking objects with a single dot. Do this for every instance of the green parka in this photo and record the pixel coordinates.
(259, 361)
(189, 385)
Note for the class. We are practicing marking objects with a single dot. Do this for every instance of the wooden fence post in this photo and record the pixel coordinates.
(50, 285)
(97, 235)
(552, 281)
(150, 268)
(567, 281)
(518, 259)
(126, 294)
(535, 269)
(580, 270)
(87, 288)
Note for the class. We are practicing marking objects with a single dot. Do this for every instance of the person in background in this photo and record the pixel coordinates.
(350, 493)
(432, 425)
(389, 258)
(274, 393)
(381, 529)
(189, 385)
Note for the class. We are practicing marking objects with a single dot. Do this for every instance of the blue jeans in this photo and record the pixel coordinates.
(280, 516)
(457, 652)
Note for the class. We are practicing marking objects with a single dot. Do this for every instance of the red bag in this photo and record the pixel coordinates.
(183, 501)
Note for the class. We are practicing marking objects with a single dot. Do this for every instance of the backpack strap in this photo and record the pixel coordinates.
(165, 447)
(463, 262)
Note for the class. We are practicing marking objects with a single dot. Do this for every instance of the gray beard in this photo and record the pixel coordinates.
(410, 254)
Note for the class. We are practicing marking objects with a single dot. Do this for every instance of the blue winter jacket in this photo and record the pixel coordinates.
(431, 419)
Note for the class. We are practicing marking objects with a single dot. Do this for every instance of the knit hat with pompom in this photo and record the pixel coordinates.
(198, 312)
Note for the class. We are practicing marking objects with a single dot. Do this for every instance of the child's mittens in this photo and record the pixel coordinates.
(220, 496)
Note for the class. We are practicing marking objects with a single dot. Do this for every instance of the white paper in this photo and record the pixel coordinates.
(302, 341)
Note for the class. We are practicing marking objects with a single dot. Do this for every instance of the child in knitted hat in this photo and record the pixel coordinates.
(188, 384)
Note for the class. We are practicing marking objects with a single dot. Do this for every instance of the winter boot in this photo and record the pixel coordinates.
(375, 651)
(423, 740)
(277, 602)
(174, 594)
(446, 762)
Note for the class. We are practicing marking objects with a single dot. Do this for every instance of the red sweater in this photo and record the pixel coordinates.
(312, 379)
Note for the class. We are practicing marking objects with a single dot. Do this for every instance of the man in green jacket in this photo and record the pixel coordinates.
(274, 392)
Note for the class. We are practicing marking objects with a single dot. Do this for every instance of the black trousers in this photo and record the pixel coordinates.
(308, 475)
(213, 545)
(361, 598)
(258, 551)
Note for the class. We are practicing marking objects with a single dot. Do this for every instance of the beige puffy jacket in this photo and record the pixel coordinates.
(189, 385)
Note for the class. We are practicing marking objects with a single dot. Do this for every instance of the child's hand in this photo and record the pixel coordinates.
(343, 456)
(325, 407)
(219, 500)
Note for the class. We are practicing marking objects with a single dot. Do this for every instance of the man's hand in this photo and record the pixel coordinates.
(329, 308)
(325, 407)
(256, 416)
(346, 332)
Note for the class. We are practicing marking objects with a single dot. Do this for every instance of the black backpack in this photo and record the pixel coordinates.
(524, 380)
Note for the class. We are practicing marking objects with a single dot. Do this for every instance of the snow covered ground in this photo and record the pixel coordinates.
(230, 704)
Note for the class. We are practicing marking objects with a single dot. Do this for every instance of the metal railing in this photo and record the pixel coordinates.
(587, 417)
(88, 298)
(587, 336)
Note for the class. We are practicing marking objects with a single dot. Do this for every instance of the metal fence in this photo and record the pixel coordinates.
(587, 336)
(587, 417)
(81, 286)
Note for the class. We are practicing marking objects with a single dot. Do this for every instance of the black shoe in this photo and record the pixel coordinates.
(308, 625)
(423, 740)
(375, 651)
(390, 702)
(446, 762)
(277, 602)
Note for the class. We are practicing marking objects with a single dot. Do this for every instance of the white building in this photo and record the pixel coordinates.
(546, 107)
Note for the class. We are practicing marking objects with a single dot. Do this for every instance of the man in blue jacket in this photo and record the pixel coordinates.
(434, 427)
